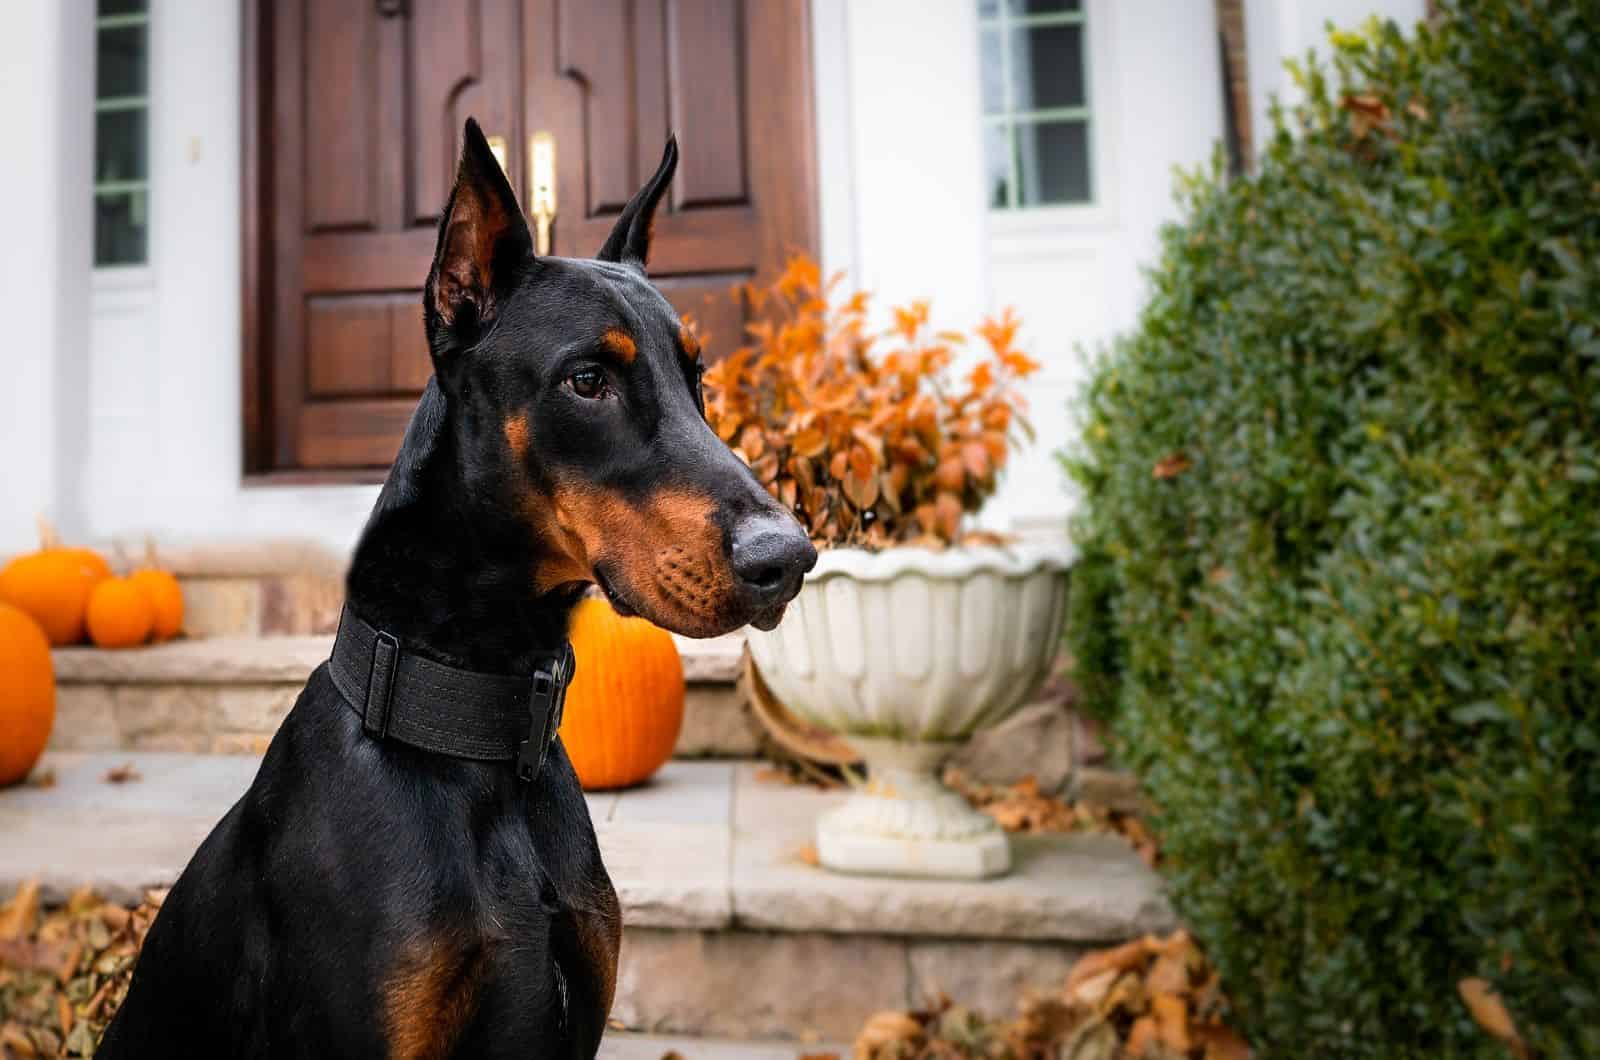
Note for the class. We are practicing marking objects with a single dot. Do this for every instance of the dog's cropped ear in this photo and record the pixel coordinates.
(629, 241)
(483, 245)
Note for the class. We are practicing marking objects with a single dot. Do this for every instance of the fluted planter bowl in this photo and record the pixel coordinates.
(906, 653)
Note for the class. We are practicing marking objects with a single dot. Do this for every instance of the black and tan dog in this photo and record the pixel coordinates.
(391, 885)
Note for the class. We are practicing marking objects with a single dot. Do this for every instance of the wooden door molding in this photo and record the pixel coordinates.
(349, 132)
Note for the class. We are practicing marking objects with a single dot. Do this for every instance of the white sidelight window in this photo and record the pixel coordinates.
(1036, 106)
(122, 133)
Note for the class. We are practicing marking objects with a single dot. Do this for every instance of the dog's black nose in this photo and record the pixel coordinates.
(771, 554)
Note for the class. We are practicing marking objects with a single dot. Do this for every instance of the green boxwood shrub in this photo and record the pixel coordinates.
(1343, 520)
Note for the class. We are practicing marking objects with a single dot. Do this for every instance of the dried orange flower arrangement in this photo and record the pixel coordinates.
(868, 438)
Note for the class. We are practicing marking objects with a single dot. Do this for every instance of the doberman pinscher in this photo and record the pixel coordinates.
(393, 884)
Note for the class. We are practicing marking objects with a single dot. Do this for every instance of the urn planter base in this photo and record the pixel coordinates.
(904, 822)
(905, 652)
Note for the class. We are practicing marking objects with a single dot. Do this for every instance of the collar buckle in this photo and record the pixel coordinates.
(546, 704)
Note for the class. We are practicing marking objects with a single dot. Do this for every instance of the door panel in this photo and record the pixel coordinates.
(341, 81)
(732, 79)
(352, 125)
(359, 132)
(706, 90)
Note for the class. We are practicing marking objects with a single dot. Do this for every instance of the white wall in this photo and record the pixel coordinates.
(903, 205)
(46, 123)
(125, 390)
(1074, 274)
(165, 449)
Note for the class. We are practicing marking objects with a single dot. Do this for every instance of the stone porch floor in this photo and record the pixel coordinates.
(729, 931)
(704, 845)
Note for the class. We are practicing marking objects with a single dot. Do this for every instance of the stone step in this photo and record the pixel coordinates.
(730, 931)
(625, 1045)
(227, 694)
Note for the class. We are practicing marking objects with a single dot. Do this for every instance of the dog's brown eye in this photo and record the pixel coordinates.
(588, 382)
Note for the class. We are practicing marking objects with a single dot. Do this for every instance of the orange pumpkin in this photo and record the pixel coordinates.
(166, 596)
(120, 614)
(53, 585)
(27, 693)
(625, 705)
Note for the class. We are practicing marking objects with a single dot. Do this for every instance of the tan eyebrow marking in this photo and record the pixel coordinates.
(689, 341)
(516, 432)
(620, 344)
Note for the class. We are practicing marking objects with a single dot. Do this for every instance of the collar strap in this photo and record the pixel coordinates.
(462, 713)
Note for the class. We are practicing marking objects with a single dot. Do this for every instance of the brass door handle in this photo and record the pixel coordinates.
(542, 187)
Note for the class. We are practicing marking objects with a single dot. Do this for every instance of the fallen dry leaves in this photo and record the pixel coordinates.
(1171, 466)
(123, 774)
(1022, 807)
(63, 971)
(1150, 999)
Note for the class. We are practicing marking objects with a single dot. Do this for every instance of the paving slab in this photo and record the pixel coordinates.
(704, 846)
(119, 838)
(668, 847)
(619, 1045)
(1074, 888)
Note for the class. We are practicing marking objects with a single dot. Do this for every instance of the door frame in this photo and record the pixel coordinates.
(258, 99)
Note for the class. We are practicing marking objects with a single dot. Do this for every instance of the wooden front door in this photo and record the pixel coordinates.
(353, 116)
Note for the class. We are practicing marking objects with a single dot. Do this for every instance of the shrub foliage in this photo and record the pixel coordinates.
(1343, 481)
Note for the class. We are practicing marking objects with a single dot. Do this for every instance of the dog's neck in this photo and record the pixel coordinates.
(449, 572)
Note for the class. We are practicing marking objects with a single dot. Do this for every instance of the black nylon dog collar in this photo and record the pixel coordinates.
(462, 713)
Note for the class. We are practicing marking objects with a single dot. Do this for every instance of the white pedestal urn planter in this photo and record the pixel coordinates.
(906, 652)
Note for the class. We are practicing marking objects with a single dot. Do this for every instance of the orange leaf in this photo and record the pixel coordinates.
(1120, 958)
(861, 489)
(1221, 1043)
(809, 442)
(752, 441)
(862, 461)
(995, 443)
(975, 458)
(948, 507)
(1141, 1036)
(1172, 1021)
(909, 320)
(899, 478)
(950, 475)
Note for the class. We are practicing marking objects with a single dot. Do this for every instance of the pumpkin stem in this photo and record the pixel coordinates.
(151, 561)
(48, 538)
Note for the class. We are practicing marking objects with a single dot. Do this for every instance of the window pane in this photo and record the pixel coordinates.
(120, 222)
(1047, 67)
(119, 145)
(120, 64)
(1042, 7)
(1052, 162)
(992, 71)
(997, 163)
(988, 8)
